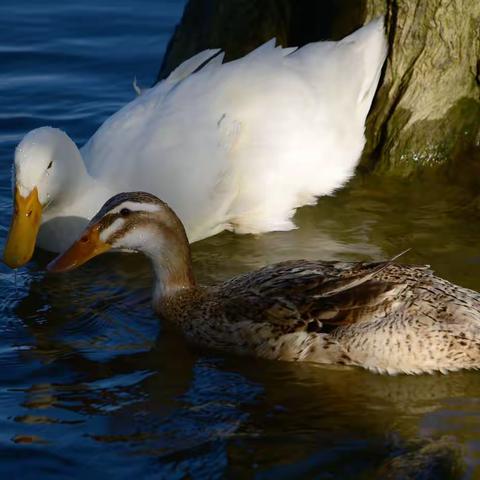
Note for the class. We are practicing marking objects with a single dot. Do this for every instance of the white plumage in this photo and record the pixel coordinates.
(235, 146)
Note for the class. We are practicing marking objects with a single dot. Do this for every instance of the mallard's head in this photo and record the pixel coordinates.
(134, 221)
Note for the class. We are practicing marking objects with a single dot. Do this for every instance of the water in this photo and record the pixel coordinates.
(91, 384)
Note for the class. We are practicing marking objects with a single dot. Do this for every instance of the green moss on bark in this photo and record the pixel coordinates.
(408, 148)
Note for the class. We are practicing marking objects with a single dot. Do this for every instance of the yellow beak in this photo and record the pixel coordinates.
(21, 239)
(87, 247)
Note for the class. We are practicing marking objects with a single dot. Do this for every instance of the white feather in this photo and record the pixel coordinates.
(240, 145)
(138, 90)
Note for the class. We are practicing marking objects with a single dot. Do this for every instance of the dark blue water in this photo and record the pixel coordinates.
(92, 385)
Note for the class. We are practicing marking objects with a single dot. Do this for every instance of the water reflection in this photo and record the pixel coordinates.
(226, 419)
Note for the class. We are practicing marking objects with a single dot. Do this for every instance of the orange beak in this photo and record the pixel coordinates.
(22, 236)
(87, 247)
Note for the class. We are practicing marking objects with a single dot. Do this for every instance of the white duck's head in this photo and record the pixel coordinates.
(47, 170)
(135, 221)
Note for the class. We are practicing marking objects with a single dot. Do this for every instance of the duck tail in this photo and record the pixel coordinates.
(370, 43)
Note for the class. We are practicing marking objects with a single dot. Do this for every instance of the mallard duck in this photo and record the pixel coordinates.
(236, 146)
(382, 316)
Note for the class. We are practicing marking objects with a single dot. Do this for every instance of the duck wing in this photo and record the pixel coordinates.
(311, 295)
(240, 145)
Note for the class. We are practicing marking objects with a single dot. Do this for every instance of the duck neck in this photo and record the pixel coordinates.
(172, 264)
(79, 193)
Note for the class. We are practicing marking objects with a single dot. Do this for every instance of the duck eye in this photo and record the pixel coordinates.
(50, 164)
(125, 212)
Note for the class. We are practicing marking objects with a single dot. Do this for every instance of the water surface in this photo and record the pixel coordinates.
(92, 384)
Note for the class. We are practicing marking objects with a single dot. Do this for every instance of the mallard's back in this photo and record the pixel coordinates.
(384, 317)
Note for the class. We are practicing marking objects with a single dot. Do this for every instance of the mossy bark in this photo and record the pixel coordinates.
(427, 110)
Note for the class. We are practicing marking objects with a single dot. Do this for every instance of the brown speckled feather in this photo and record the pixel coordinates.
(305, 294)
(385, 317)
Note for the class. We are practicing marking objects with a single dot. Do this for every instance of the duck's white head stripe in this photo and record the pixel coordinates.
(132, 201)
(111, 229)
(136, 207)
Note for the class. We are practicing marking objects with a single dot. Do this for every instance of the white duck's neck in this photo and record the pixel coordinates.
(81, 194)
(84, 199)
(64, 220)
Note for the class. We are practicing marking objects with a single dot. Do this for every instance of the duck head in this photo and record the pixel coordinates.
(46, 172)
(135, 221)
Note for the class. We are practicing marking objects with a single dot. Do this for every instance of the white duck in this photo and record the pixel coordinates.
(236, 146)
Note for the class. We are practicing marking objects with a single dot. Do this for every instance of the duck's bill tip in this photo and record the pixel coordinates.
(23, 229)
(80, 252)
(59, 265)
(13, 261)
